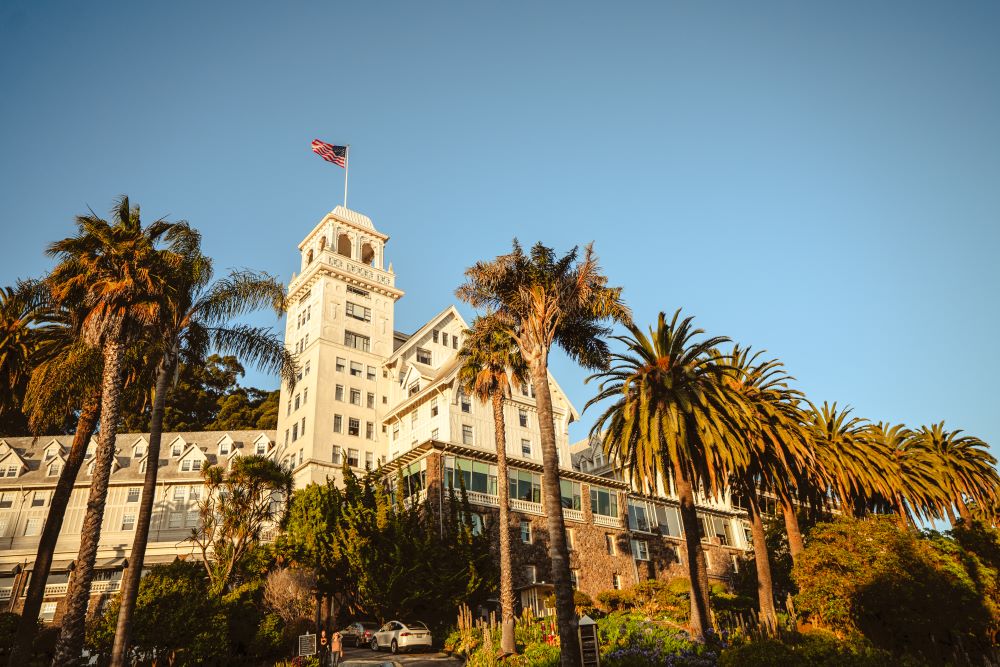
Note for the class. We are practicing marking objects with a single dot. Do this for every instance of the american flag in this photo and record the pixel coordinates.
(330, 153)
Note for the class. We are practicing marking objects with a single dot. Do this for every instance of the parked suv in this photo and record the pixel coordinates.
(398, 636)
(358, 633)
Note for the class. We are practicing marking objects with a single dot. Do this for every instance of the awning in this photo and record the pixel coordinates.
(8, 569)
(111, 563)
(158, 559)
(59, 566)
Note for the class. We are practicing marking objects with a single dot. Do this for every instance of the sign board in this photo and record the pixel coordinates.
(590, 648)
(307, 644)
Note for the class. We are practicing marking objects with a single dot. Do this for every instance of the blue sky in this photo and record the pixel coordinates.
(820, 180)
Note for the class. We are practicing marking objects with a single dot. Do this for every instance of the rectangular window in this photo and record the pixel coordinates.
(434, 335)
(341, 364)
(474, 475)
(371, 373)
(369, 460)
(526, 532)
(370, 430)
(351, 289)
(529, 573)
(47, 612)
(194, 492)
(616, 582)
(353, 426)
(522, 418)
(525, 447)
(423, 356)
(296, 401)
(38, 498)
(295, 433)
(371, 401)
(305, 369)
(609, 543)
(638, 517)
(466, 434)
(525, 485)
(434, 407)
(357, 341)
(434, 434)
(133, 494)
(338, 392)
(175, 520)
(414, 389)
(413, 418)
(570, 539)
(574, 579)
(570, 492)
(305, 396)
(32, 527)
(465, 402)
(603, 501)
(444, 338)
(128, 522)
(301, 454)
(640, 550)
(395, 432)
(192, 517)
(179, 493)
(357, 370)
(352, 458)
(355, 397)
(337, 455)
(669, 520)
(359, 312)
(302, 431)
(175, 450)
(6, 499)
(338, 424)
(454, 342)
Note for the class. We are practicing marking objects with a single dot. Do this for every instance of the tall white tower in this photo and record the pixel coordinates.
(340, 324)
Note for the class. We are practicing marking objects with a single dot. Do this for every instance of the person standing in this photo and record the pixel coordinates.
(336, 649)
(324, 649)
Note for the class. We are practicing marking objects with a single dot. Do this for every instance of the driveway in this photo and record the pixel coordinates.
(364, 657)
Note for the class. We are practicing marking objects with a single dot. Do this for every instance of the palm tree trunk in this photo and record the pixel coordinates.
(130, 582)
(569, 655)
(963, 509)
(795, 542)
(507, 644)
(950, 511)
(27, 626)
(70, 644)
(701, 620)
(765, 584)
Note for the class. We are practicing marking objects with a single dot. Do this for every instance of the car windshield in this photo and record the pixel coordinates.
(416, 626)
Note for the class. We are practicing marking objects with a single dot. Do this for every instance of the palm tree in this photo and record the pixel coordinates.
(197, 317)
(848, 461)
(779, 451)
(674, 418)
(20, 315)
(491, 363)
(966, 469)
(121, 279)
(541, 301)
(916, 492)
(65, 382)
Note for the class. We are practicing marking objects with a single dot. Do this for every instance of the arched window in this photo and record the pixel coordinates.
(344, 245)
(309, 257)
(368, 254)
(322, 243)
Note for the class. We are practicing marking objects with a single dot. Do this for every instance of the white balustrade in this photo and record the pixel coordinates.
(526, 506)
(56, 589)
(478, 498)
(573, 515)
(105, 586)
(608, 521)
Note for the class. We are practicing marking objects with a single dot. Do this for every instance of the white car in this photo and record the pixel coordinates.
(398, 636)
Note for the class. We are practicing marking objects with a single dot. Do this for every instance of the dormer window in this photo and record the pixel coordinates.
(187, 465)
(414, 388)
(224, 449)
(49, 454)
(142, 466)
(54, 469)
(140, 451)
(9, 471)
(261, 448)
(423, 356)
(175, 450)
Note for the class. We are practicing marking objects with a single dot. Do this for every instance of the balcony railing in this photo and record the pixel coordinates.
(526, 506)
(573, 515)
(478, 498)
(56, 589)
(608, 521)
(105, 586)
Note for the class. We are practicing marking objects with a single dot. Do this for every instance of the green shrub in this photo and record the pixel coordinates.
(541, 655)
(811, 649)
(614, 600)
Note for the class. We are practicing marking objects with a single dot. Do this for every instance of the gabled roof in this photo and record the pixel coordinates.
(11, 458)
(58, 458)
(418, 334)
(192, 449)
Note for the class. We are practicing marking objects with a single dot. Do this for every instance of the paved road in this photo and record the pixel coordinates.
(363, 657)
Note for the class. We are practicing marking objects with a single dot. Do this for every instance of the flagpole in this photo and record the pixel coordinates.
(347, 164)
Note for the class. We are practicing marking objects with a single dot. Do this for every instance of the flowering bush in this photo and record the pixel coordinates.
(630, 641)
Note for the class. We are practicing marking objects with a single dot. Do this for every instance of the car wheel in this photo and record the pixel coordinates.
(374, 643)
(394, 647)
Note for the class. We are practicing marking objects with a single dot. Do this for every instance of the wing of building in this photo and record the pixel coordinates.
(368, 396)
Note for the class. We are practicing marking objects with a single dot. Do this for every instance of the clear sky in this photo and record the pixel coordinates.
(818, 179)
